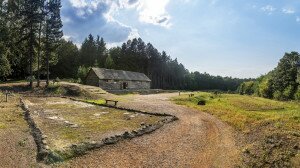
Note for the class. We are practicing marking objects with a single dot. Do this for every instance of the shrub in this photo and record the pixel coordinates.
(82, 73)
(297, 94)
(288, 93)
(277, 95)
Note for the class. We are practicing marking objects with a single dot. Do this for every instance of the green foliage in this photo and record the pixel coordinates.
(68, 60)
(297, 94)
(5, 69)
(280, 84)
(265, 88)
(248, 88)
(109, 62)
(82, 73)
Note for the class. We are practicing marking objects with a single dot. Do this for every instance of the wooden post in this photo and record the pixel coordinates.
(179, 93)
(6, 95)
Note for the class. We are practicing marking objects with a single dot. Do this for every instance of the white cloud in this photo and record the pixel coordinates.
(149, 11)
(66, 37)
(298, 19)
(269, 9)
(154, 12)
(78, 3)
(288, 11)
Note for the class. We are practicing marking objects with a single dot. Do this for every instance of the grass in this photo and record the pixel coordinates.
(94, 122)
(13, 81)
(244, 112)
(99, 101)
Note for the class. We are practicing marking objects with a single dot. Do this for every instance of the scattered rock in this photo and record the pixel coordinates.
(44, 136)
(74, 126)
(46, 147)
(44, 141)
(127, 135)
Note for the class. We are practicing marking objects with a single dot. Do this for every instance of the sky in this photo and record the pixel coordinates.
(237, 38)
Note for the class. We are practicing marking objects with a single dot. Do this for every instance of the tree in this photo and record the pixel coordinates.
(42, 20)
(5, 69)
(100, 51)
(285, 76)
(67, 60)
(53, 32)
(88, 52)
(109, 62)
(281, 83)
(30, 21)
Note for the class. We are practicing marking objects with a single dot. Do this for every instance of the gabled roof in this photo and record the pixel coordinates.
(111, 74)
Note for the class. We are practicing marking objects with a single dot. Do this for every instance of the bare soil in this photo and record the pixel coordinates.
(17, 147)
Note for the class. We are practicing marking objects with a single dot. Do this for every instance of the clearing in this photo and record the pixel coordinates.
(196, 140)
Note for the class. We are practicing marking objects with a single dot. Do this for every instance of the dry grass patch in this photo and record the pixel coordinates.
(17, 146)
(66, 122)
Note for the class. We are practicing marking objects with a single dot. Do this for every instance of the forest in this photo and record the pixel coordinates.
(282, 83)
(32, 47)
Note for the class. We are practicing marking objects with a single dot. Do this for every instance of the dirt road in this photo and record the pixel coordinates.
(196, 140)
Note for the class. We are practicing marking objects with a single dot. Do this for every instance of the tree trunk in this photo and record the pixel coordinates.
(31, 52)
(47, 62)
(39, 55)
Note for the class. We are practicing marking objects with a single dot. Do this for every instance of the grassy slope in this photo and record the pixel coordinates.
(271, 128)
(244, 112)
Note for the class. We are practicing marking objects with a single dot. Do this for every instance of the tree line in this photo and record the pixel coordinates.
(282, 83)
(30, 31)
(138, 56)
(31, 47)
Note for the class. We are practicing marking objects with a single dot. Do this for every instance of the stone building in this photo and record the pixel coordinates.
(110, 79)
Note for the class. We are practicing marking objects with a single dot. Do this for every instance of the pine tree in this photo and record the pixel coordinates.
(88, 52)
(109, 62)
(101, 51)
(53, 32)
(40, 31)
(30, 21)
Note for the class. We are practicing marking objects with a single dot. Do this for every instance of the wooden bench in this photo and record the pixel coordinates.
(107, 100)
(191, 95)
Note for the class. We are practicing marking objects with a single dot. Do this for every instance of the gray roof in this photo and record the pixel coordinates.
(112, 74)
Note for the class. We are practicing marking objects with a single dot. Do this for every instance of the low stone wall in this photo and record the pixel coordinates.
(44, 154)
(42, 149)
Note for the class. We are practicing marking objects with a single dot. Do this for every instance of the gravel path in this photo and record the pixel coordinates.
(196, 140)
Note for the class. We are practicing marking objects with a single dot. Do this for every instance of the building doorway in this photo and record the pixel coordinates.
(124, 85)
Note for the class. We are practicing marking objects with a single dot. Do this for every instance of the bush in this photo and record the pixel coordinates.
(297, 94)
(288, 93)
(277, 95)
(82, 73)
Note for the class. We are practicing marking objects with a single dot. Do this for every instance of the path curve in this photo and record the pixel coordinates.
(196, 140)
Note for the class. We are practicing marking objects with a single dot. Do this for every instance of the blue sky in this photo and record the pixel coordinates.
(238, 38)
